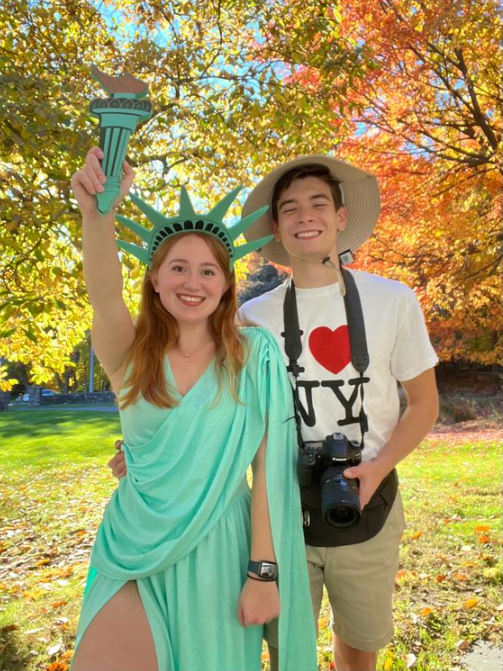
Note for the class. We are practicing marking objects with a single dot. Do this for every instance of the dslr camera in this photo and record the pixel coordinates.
(323, 462)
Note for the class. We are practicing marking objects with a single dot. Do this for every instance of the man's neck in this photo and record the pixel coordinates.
(313, 275)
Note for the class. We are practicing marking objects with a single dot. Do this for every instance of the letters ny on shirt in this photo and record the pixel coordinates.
(329, 387)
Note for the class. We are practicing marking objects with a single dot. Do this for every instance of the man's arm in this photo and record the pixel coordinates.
(418, 418)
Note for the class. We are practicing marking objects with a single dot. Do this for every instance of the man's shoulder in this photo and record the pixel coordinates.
(265, 301)
(377, 284)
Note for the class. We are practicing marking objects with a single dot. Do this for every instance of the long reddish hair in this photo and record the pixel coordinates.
(157, 331)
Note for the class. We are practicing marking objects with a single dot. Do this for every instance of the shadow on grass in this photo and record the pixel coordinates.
(39, 438)
(38, 423)
(13, 653)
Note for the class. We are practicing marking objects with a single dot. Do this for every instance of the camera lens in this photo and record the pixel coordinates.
(342, 516)
(340, 502)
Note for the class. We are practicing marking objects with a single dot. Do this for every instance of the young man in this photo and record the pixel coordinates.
(321, 207)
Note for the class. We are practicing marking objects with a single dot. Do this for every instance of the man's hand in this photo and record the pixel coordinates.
(370, 476)
(118, 462)
(419, 416)
(258, 603)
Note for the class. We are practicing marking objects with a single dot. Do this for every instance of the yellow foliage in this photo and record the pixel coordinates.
(6, 383)
(409, 91)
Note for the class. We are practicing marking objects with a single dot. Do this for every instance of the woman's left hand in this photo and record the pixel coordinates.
(258, 603)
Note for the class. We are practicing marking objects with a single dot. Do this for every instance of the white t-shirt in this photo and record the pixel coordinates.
(329, 387)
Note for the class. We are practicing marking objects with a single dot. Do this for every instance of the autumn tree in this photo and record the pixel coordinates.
(426, 118)
(223, 112)
(431, 129)
(407, 90)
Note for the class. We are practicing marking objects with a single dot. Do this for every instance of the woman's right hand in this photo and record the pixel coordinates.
(258, 602)
(89, 180)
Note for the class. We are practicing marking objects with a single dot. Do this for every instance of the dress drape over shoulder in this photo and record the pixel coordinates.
(179, 522)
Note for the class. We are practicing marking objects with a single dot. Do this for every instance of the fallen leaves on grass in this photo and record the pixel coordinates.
(460, 577)
(458, 433)
(53, 527)
(471, 603)
(410, 660)
(63, 661)
(463, 644)
(389, 660)
(54, 649)
(46, 546)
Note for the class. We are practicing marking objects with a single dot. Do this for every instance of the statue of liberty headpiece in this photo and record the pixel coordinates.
(188, 221)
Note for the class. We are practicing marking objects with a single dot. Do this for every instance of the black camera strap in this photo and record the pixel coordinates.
(357, 339)
(293, 347)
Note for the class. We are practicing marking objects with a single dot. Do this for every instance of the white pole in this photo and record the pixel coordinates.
(91, 371)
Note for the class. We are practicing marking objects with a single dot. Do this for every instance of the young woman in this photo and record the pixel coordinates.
(188, 565)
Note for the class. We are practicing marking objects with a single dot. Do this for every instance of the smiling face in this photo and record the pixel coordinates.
(190, 281)
(307, 219)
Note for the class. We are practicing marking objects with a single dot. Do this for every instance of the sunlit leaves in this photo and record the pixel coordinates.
(431, 130)
(5, 381)
(223, 112)
(408, 90)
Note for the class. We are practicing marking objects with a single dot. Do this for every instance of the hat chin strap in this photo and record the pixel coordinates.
(326, 261)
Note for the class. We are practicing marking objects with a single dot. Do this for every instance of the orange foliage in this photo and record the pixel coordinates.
(426, 118)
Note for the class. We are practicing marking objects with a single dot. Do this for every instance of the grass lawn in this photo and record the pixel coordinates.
(54, 485)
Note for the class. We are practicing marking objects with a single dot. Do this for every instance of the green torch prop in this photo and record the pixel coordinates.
(119, 116)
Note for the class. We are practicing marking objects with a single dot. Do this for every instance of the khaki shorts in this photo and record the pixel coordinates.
(359, 580)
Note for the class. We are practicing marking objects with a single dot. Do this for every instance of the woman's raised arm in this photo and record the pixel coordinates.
(113, 329)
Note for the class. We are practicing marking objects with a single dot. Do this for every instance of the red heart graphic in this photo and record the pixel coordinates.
(331, 348)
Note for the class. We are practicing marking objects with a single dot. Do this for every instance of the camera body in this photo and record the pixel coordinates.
(323, 462)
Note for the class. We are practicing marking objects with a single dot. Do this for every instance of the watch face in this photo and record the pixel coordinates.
(268, 570)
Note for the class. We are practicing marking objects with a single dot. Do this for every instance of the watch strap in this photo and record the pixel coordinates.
(255, 577)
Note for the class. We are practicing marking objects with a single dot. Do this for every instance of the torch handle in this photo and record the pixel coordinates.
(118, 120)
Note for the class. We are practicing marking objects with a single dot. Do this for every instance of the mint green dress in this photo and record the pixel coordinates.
(179, 523)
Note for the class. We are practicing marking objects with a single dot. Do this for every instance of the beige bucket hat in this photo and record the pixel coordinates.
(360, 195)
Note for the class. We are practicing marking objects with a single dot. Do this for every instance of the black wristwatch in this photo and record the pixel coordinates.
(266, 570)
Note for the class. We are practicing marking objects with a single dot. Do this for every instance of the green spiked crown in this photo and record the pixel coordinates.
(188, 221)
